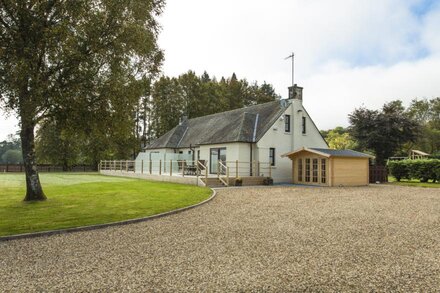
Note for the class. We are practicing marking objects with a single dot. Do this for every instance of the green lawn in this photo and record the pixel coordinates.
(413, 182)
(78, 199)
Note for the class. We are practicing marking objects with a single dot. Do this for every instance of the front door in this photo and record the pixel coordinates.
(216, 155)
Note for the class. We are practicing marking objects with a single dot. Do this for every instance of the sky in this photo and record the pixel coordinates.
(348, 53)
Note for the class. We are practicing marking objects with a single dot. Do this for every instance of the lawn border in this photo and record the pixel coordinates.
(105, 225)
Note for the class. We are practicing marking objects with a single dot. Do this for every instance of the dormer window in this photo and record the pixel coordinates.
(287, 123)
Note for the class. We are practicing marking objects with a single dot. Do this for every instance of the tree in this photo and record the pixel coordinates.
(168, 105)
(12, 157)
(11, 143)
(384, 131)
(58, 143)
(340, 139)
(427, 114)
(55, 54)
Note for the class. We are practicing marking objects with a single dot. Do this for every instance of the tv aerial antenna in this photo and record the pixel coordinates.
(293, 66)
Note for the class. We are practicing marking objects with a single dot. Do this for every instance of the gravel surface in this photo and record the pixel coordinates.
(377, 238)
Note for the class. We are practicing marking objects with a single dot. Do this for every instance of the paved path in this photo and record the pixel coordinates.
(264, 239)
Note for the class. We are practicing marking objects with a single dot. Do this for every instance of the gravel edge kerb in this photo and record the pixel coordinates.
(100, 226)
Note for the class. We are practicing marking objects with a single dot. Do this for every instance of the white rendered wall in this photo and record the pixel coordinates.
(284, 142)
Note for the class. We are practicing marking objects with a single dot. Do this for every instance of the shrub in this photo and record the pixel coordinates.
(424, 170)
(268, 181)
(399, 169)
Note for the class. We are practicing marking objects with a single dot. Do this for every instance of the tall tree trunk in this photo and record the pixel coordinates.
(34, 191)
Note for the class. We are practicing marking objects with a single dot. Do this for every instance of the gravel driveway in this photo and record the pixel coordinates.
(377, 238)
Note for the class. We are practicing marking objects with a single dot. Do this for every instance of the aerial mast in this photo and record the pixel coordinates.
(293, 66)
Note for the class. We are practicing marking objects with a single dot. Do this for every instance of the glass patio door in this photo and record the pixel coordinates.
(216, 155)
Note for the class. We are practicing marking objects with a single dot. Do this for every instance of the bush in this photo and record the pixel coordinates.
(268, 181)
(423, 170)
(399, 169)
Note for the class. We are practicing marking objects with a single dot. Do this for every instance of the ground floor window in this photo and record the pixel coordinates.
(300, 170)
(307, 170)
(272, 156)
(323, 170)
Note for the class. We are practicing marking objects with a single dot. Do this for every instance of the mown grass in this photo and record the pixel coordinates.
(413, 182)
(86, 199)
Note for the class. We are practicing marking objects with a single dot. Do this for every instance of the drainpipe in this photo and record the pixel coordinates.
(192, 152)
(250, 161)
(253, 140)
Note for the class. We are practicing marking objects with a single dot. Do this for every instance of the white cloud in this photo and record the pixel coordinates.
(348, 52)
(331, 95)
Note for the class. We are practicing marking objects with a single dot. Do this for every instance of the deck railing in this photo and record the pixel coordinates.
(223, 173)
(225, 169)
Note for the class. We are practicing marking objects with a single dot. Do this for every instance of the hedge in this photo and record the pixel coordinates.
(424, 170)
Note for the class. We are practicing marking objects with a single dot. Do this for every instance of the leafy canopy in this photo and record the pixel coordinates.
(383, 131)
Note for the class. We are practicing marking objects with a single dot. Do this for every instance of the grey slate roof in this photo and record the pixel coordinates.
(247, 124)
(342, 153)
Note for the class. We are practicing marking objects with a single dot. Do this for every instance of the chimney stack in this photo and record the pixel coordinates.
(183, 119)
(295, 92)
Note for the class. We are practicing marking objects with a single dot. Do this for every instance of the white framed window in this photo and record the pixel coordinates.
(272, 156)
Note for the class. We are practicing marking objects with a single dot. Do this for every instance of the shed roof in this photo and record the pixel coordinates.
(420, 153)
(247, 124)
(330, 153)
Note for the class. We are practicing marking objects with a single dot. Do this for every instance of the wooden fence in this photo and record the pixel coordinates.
(378, 174)
(46, 168)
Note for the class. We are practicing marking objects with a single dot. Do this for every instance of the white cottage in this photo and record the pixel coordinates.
(249, 141)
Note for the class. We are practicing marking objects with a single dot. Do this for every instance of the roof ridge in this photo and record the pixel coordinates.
(242, 108)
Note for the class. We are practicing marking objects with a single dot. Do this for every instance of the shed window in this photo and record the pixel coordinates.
(323, 171)
(287, 123)
(315, 170)
(307, 170)
(272, 156)
(300, 170)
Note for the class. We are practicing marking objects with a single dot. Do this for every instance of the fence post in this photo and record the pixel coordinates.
(258, 168)
(206, 172)
(160, 167)
(142, 167)
(126, 166)
(150, 167)
(236, 168)
(183, 168)
(7, 167)
(171, 167)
